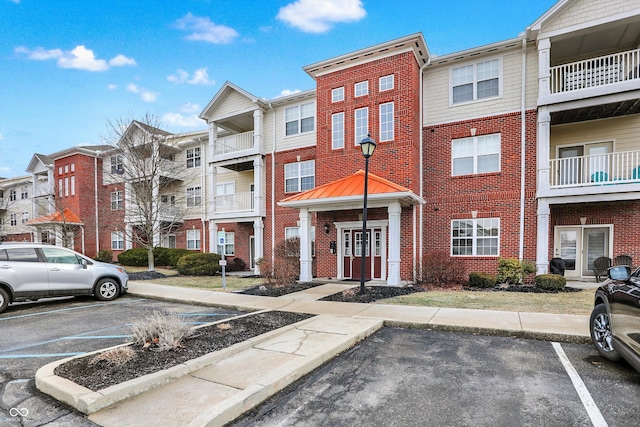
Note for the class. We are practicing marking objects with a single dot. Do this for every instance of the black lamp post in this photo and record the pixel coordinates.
(368, 146)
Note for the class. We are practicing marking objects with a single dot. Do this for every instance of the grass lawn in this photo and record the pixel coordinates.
(561, 303)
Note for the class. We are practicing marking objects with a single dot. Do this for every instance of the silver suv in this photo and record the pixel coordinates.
(29, 271)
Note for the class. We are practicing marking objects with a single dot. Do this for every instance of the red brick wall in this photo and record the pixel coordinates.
(493, 195)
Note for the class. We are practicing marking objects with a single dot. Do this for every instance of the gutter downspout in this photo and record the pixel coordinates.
(204, 180)
(273, 187)
(421, 168)
(95, 199)
(523, 142)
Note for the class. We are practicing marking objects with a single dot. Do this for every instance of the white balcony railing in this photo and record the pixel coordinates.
(598, 169)
(594, 72)
(234, 202)
(44, 189)
(233, 143)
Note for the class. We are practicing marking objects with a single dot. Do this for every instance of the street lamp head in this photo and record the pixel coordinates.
(368, 146)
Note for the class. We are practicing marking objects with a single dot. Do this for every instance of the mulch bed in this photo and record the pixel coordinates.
(146, 361)
(278, 291)
(371, 293)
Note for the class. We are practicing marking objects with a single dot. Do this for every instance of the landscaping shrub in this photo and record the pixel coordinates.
(104, 255)
(285, 269)
(136, 257)
(440, 269)
(481, 280)
(550, 282)
(114, 357)
(512, 271)
(238, 265)
(169, 256)
(199, 264)
(160, 331)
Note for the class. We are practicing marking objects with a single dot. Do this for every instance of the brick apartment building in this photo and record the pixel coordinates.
(525, 148)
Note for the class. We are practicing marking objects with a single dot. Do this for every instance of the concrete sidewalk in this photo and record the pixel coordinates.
(219, 387)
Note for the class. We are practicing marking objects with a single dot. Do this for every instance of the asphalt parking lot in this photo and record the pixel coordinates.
(408, 377)
(34, 334)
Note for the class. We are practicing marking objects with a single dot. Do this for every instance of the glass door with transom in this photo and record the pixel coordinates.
(352, 254)
(579, 247)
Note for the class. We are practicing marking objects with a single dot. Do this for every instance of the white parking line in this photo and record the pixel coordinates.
(70, 309)
(594, 413)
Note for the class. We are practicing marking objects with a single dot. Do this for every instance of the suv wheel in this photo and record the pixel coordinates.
(601, 336)
(106, 289)
(4, 300)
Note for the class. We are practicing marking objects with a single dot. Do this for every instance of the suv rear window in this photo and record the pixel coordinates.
(19, 254)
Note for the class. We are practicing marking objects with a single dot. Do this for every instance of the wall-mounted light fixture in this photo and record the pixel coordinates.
(326, 228)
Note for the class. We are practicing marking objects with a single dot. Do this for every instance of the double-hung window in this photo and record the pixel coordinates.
(337, 94)
(24, 192)
(361, 89)
(475, 155)
(229, 244)
(386, 83)
(476, 81)
(337, 131)
(116, 200)
(194, 196)
(13, 195)
(117, 164)
(291, 232)
(386, 122)
(193, 239)
(475, 237)
(361, 125)
(117, 240)
(193, 157)
(300, 119)
(225, 194)
(299, 176)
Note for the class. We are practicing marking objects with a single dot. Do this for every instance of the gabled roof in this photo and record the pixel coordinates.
(223, 92)
(350, 190)
(66, 216)
(39, 163)
(550, 14)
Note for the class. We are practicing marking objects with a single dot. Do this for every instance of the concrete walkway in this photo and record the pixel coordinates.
(219, 387)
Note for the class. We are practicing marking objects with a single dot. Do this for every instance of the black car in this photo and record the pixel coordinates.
(615, 319)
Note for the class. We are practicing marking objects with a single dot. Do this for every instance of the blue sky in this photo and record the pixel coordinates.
(69, 66)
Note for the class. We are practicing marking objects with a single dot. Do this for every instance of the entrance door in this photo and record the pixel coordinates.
(356, 265)
(352, 254)
(596, 245)
(579, 247)
(570, 167)
(568, 242)
(252, 253)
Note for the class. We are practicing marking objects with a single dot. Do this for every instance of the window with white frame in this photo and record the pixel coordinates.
(476, 81)
(229, 244)
(291, 232)
(225, 194)
(300, 119)
(361, 125)
(116, 200)
(475, 155)
(193, 157)
(386, 83)
(337, 94)
(169, 241)
(60, 187)
(24, 192)
(13, 219)
(299, 176)
(337, 131)
(194, 196)
(386, 122)
(117, 240)
(73, 185)
(361, 89)
(13, 195)
(117, 164)
(25, 217)
(475, 237)
(66, 186)
(193, 239)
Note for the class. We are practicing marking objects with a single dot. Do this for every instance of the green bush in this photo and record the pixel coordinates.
(481, 280)
(169, 256)
(104, 255)
(550, 282)
(199, 264)
(136, 257)
(440, 269)
(513, 271)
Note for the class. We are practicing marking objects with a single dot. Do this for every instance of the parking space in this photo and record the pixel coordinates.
(417, 377)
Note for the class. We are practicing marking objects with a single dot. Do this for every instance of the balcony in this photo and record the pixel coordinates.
(233, 203)
(611, 170)
(43, 189)
(235, 146)
(3, 203)
(166, 213)
(595, 72)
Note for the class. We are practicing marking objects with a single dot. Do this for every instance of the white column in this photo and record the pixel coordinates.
(394, 244)
(212, 175)
(128, 241)
(542, 239)
(258, 243)
(258, 130)
(259, 205)
(306, 273)
(543, 146)
(213, 237)
(544, 68)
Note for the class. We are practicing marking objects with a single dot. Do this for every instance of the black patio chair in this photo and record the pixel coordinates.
(623, 260)
(557, 266)
(600, 267)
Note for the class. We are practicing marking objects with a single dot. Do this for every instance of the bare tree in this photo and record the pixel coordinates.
(143, 158)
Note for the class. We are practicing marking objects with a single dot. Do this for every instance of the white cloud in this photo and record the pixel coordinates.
(318, 16)
(121, 60)
(200, 77)
(112, 86)
(190, 108)
(145, 94)
(79, 58)
(177, 119)
(287, 92)
(203, 29)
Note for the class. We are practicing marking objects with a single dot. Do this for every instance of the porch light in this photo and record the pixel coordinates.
(326, 228)
(368, 146)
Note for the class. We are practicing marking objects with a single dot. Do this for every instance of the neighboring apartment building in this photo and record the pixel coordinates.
(525, 148)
